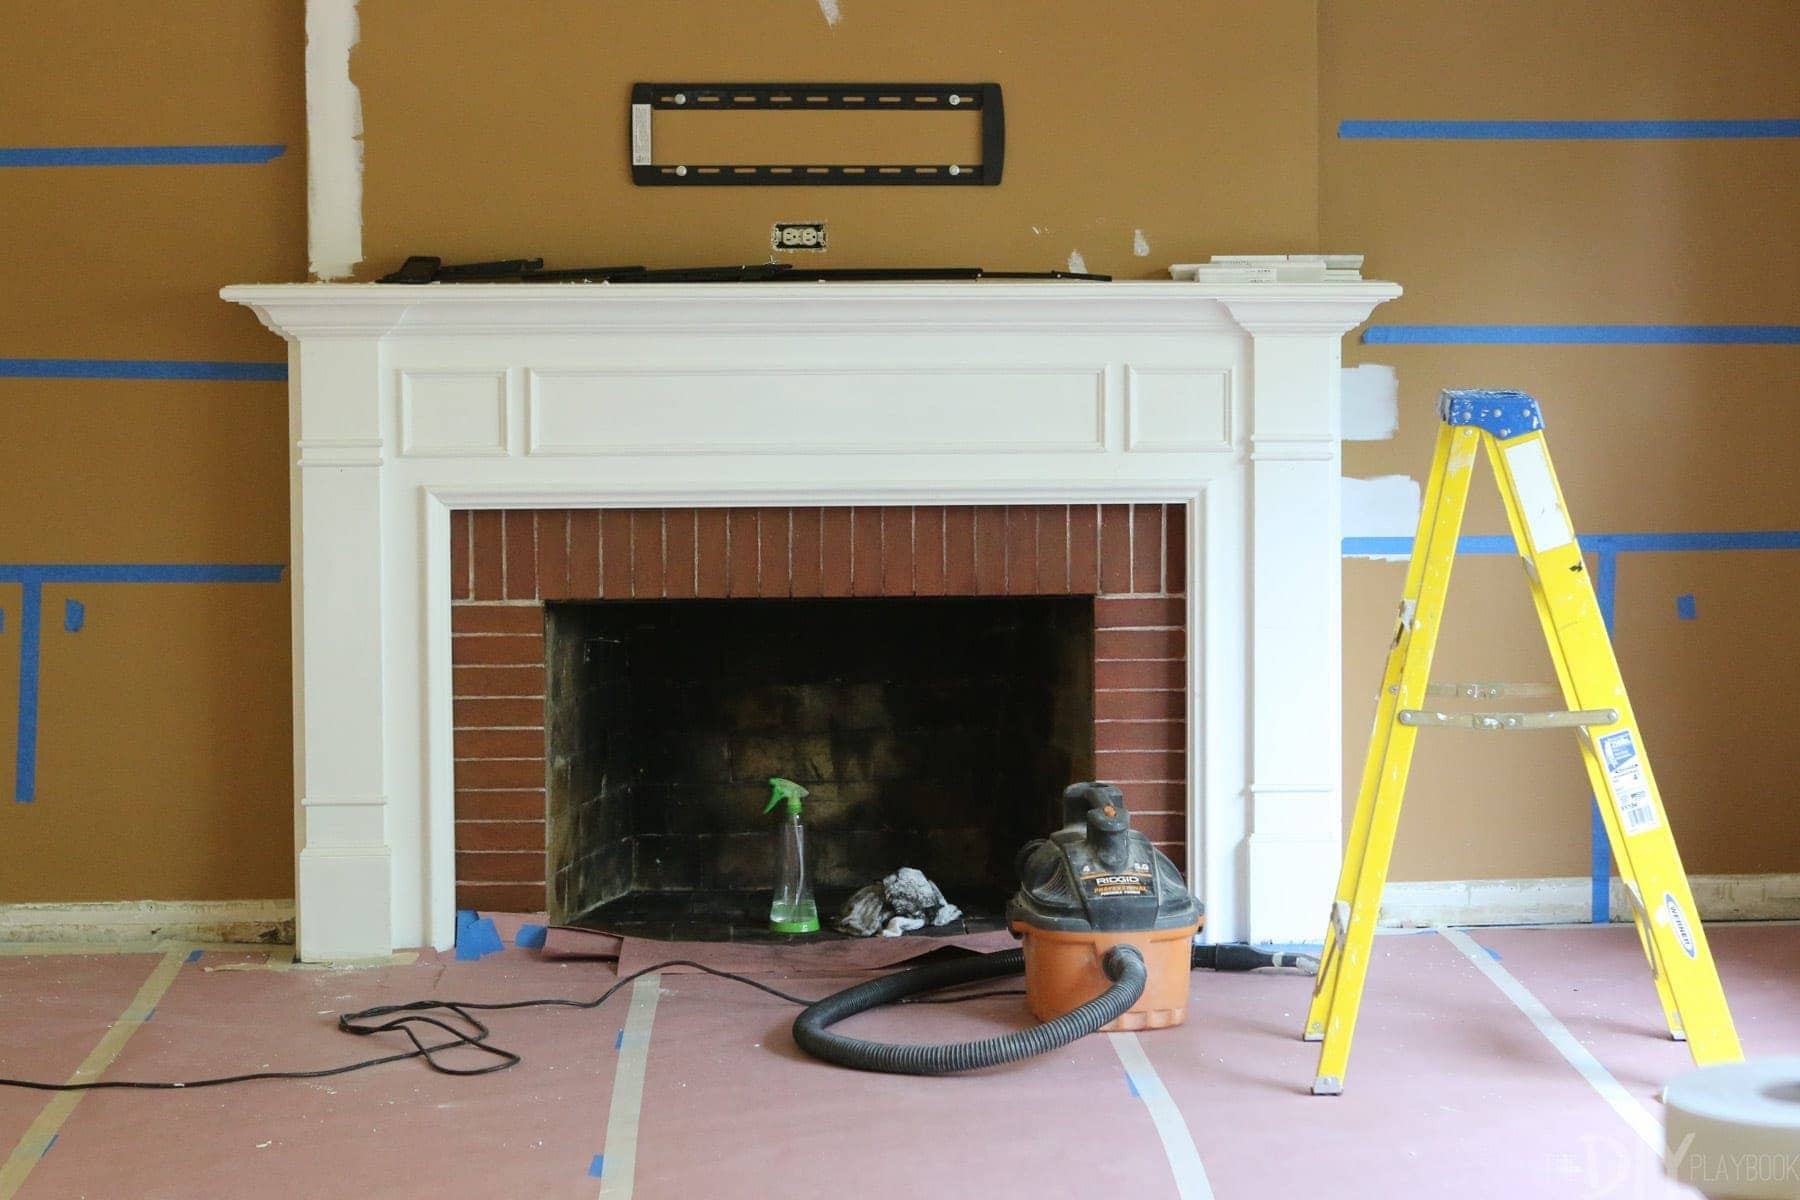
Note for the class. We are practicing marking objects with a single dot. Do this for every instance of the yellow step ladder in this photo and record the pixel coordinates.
(1510, 428)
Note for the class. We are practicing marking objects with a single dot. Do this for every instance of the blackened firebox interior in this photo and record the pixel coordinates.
(935, 733)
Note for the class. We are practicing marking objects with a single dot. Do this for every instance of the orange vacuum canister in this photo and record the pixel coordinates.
(1091, 885)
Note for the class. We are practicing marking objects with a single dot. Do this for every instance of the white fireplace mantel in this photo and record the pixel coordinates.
(408, 402)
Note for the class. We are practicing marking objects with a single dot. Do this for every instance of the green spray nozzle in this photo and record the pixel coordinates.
(784, 790)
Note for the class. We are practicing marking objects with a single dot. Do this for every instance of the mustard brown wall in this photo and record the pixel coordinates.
(1647, 439)
(498, 130)
(163, 736)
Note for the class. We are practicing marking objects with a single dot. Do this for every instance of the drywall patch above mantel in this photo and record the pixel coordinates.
(334, 147)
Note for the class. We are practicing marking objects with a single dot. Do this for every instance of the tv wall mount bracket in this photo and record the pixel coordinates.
(983, 98)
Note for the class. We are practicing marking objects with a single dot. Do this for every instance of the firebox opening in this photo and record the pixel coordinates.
(936, 733)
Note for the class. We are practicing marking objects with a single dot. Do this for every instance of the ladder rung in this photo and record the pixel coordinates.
(1491, 691)
(1505, 721)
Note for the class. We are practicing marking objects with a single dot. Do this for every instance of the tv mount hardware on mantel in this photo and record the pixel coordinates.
(426, 268)
(801, 97)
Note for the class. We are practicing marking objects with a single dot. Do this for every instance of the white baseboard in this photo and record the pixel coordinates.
(270, 922)
(1568, 900)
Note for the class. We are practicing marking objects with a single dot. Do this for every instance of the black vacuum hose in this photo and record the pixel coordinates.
(812, 1028)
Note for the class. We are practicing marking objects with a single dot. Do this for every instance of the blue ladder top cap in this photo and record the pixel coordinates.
(1504, 414)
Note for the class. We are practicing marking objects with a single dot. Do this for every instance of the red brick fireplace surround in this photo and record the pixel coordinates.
(505, 564)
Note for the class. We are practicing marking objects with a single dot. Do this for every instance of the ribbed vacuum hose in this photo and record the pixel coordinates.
(812, 1028)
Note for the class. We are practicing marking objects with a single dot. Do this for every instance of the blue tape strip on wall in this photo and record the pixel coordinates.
(141, 368)
(138, 156)
(1581, 335)
(1566, 130)
(34, 576)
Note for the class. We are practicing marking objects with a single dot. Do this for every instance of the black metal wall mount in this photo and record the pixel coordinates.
(984, 98)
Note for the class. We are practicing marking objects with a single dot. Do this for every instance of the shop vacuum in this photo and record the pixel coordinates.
(1106, 925)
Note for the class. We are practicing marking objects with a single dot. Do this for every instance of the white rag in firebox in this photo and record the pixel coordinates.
(901, 903)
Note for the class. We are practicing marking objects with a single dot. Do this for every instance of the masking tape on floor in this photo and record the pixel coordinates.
(619, 1155)
(44, 1130)
(1178, 1146)
(1558, 1035)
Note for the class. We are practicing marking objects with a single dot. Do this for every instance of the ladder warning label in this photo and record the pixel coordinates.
(1625, 778)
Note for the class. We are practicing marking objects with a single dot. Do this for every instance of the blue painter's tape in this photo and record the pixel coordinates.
(598, 1166)
(193, 956)
(1592, 543)
(1685, 607)
(1606, 592)
(1501, 413)
(1599, 868)
(1764, 539)
(25, 758)
(1581, 335)
(33, 576)
(1491, 952)
(1566, 130)
(619, 1042)
(40, 573)
(529, 936)
(1387, 547)
(1132, 1084)
(138, 156)
(141, 368)
(475, 936)
(49, 1144)
(2, 620)
(149, 1016)
(74, 616)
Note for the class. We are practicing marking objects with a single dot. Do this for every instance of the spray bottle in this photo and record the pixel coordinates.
(793, 910)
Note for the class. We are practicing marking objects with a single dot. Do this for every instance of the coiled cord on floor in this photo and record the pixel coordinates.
(409, 1017)
(812, 1028)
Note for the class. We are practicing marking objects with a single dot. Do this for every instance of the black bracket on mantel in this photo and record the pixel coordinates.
(803, 97)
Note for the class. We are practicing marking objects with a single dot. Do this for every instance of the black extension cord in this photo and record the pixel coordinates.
(403, 1017)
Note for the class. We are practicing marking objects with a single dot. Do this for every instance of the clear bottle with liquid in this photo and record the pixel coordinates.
(793, 909)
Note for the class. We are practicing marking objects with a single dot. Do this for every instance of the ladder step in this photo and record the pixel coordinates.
(1507, 721)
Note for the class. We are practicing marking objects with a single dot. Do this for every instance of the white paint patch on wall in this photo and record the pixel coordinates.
(829, 9)
(1140, 245)
(1077, 264)
(1387, 506)
(334, 149)
(1371, 409)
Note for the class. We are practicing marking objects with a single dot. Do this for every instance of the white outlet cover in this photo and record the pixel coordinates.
(798, 235)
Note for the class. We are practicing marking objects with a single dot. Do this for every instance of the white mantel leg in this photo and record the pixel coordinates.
(344, 885)
(1295, 813)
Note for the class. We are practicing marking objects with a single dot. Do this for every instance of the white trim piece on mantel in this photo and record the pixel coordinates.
(410, 402)
(1568, 899)
(269, 922)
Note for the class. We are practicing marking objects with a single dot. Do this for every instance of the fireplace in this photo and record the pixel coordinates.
(586, 410)
(935, 675)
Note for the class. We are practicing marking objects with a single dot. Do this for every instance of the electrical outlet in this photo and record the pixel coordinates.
(798, 235)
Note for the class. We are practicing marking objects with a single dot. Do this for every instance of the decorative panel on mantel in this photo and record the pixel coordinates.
(505, 564)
